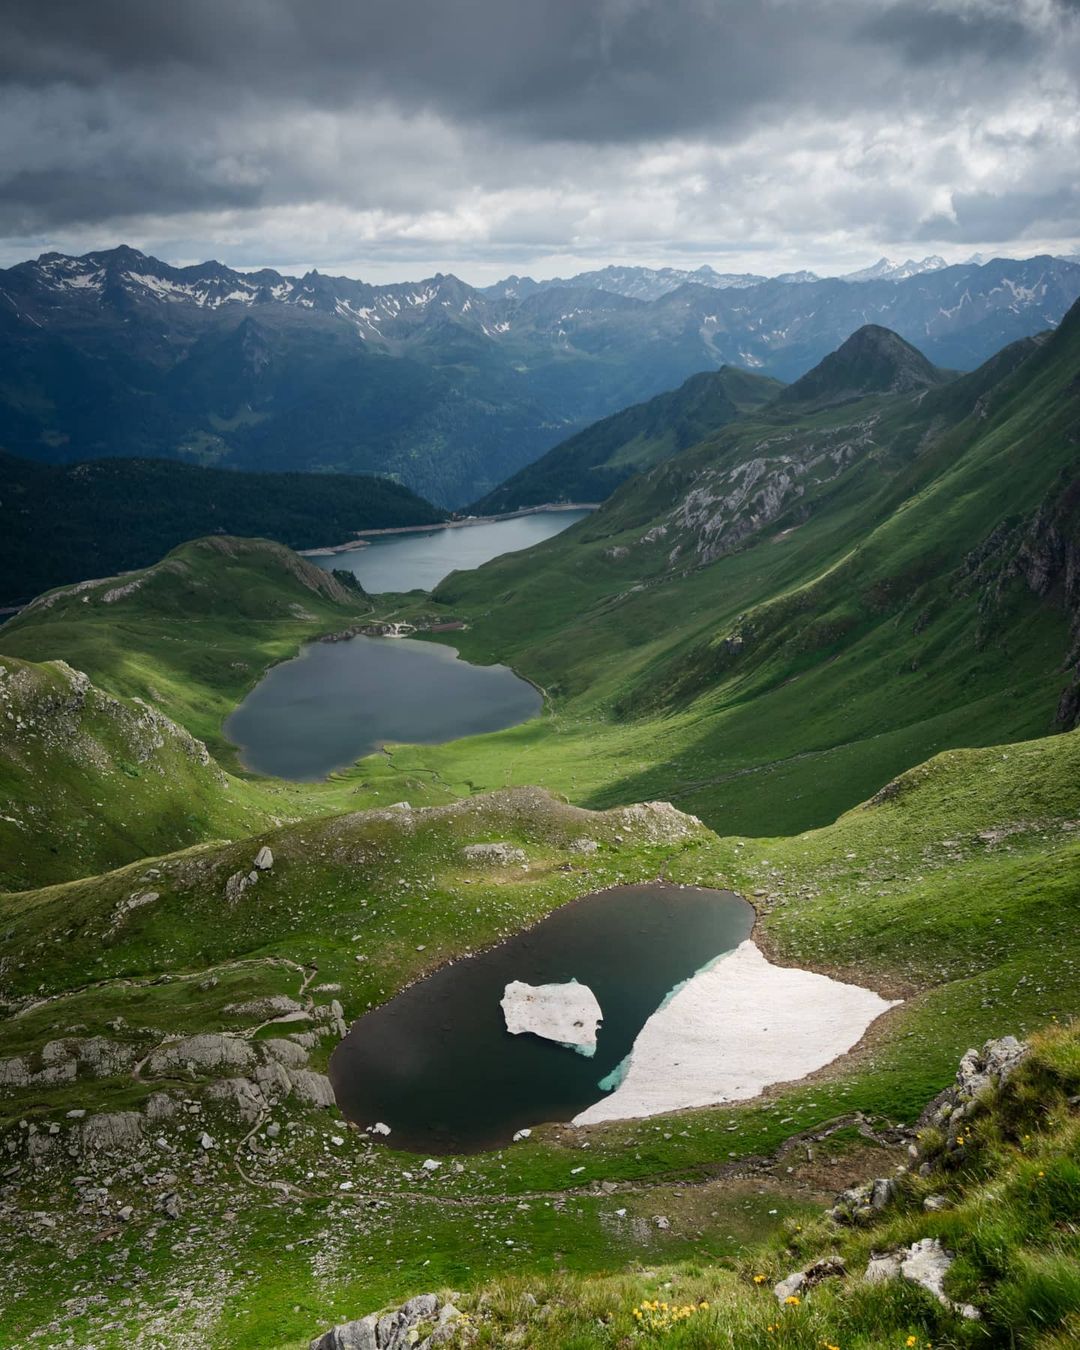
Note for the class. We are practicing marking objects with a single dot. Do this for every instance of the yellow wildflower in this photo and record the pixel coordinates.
(911, 1341)
(793, 1300)
(759, 1279)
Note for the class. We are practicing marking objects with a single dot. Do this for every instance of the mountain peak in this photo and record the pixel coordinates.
(873, 360)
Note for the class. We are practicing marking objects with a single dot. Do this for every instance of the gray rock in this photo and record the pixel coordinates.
(195, 1055)
(241, 1094)
(926, 1263)
(160, 1106)
(264, 859)
(360, 1335)
(801, 1281)
(933, 1203)
(883, 1267)
(394, 1330)
(583, 845)
(501, 855)
(236, 885)
(312, 1087)
(111, 1132)
(285, 1052)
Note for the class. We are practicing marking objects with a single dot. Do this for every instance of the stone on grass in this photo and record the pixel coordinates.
(264, 859)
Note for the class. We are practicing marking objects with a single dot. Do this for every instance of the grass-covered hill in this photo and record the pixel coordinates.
(252, 1216)
(771, 624)
(590, 466)
(61, 523)
(112, 691)
(842, 630)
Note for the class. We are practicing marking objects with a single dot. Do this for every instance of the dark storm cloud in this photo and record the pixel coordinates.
(416, 114)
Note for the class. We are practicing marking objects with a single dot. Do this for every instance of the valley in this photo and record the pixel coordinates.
(821, 658)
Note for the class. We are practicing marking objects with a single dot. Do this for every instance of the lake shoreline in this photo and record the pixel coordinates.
(362, 536)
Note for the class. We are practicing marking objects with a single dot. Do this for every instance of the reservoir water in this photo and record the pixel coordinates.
(406, 562)
(437, 1064)
(337, 701)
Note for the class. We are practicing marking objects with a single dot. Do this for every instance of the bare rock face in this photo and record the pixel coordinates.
(264, 859)
(501, 855)
(312, 1087)
(395, 1330)
(925, 1263)
(565, 1013)
(114, 1132)
(195, 1055)
(657, 822)
(981, 1072)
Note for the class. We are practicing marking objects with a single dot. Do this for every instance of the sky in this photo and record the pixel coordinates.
(391, 139)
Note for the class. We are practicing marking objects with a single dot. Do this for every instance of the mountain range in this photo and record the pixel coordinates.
(448, 388)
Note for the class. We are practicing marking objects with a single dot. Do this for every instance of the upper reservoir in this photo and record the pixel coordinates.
(419, 561)
(437, 1063)
(339, 700)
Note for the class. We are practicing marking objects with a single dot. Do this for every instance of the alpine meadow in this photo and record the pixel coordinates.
(540, 688)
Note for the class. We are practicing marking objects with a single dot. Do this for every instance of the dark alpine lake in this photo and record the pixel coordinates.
(437, 1064)
(406, 562)
(337, 701)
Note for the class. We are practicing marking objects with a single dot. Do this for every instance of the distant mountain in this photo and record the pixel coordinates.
(447, 388)
(591, 465)
(66, 523)
(874, 360)
(884, 270)
(639, 283)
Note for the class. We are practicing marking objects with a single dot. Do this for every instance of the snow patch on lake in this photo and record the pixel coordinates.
(730, 1031)
(566, 1013)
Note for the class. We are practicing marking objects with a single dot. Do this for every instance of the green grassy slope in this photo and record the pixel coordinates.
(192, 633)
(59, 523)
(589, 466)
(771, 646)
(949, 890)
(98, 772)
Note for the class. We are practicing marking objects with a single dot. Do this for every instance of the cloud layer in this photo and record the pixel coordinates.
(390, 136)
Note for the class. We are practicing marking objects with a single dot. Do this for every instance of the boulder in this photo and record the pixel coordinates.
(241, 1094)
(288, 1053)
(312, 1087)
(111, 1132)
(394, 1330)
(801, 1281)
(264, 859)
(925, 1263)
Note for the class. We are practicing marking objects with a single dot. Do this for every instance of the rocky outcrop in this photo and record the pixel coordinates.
(925, 1263)
(981, 1073)
(656, 822)
(199, 1055)
(113, 1132)
(313, 1088)
(424, 1322)
(62, 1061)
(801, 1281)
(500, 855)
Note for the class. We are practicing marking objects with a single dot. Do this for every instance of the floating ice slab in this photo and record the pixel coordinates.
(734, 1028)
(566, 1013)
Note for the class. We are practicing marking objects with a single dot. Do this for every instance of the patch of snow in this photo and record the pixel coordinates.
(565, 1013)
(731, 1030)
